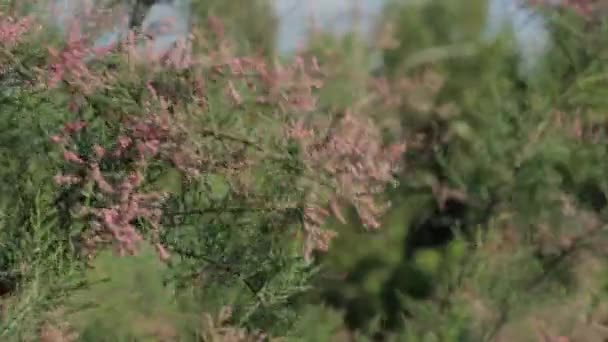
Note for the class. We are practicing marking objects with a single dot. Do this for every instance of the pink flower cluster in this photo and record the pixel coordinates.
(289, 87)
(345, 159)
(70, 63)
(349, 164)
(11, 30)
(356, 165)
(292, 86)
(119, 201)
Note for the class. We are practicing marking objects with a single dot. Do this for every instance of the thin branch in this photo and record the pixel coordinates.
(579, 242)
(228, 268)
(228, 209)
(228, 136)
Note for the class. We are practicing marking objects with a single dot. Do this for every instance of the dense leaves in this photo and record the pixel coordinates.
(218, 193)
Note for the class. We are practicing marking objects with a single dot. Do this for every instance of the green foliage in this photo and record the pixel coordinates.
(422, 38)
(498, 220)
(497, 163)
(251, 24)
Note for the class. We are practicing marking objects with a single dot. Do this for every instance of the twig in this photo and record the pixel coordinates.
(228, 209)
(541, 279)
(228, 136)
(228, 268)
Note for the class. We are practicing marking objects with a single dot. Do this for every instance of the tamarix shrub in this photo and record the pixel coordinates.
(201, 130)
(261, 181)
(213, 157)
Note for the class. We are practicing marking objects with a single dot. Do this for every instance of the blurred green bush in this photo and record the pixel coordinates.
(498, 220)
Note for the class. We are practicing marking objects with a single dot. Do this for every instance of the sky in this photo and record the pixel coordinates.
(334, 14)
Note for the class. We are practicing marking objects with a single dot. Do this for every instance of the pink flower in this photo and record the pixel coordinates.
(72, 157)
(57, 139)
(233, 94)
(100, 152)
(100, 180)
(67, 179)
(163, 254)
(73, 127)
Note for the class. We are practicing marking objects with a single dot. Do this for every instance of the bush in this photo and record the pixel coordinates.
(215, 162)
(444, 197)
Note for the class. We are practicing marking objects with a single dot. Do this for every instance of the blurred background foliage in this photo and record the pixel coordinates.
(496, 230)
(252, 24)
